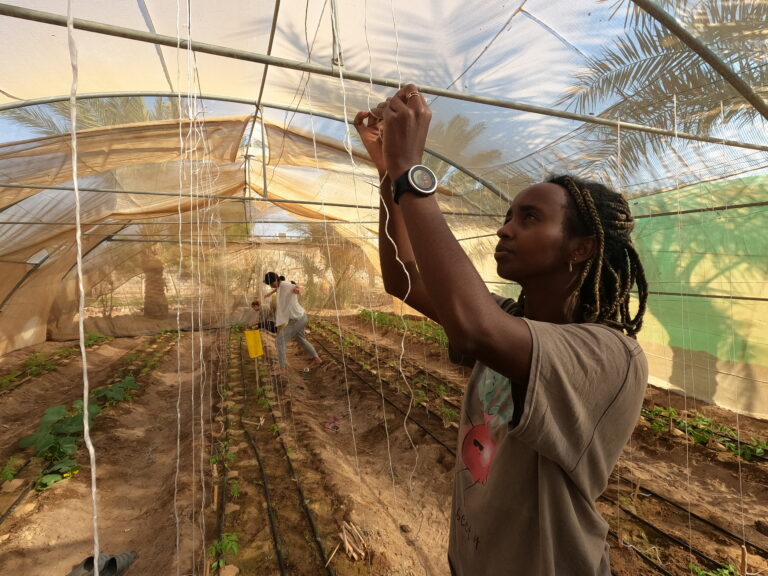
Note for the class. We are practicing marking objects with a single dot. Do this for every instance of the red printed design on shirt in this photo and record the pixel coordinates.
(478, 447)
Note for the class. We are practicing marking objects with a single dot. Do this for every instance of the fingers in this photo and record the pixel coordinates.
(360, 118)
(410, 93)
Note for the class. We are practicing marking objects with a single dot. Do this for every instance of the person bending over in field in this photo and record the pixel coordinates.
(291, 320)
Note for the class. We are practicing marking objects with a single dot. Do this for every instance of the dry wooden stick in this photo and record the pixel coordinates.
(359, 535)
(332, 555)
(743, 560)
(347, 547)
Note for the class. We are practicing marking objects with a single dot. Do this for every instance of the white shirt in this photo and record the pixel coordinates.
(288, 307)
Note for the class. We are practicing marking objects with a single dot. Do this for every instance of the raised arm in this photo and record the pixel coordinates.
(473, 321)
(394, 242)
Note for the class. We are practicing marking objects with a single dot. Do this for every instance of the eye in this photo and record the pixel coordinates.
(529, 216)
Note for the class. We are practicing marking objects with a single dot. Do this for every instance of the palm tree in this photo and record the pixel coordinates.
(648, 76)
(635, 79)
(53, 119)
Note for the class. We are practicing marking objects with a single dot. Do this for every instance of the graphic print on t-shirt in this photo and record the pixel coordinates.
(478, 447)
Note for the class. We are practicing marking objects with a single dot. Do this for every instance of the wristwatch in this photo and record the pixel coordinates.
(419, 180)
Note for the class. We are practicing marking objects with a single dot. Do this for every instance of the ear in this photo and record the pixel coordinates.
(583, 248)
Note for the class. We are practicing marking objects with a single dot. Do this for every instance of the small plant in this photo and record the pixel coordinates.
(703, 430)
(8, 472)
(420, 397)
(117, 392)
(56, 441)
(38, 364)
(234, 488)
(729, 570)
(94, 338)
(448, 415)
(9, 379)
(66, 352)
(275, 429)
(221, 454)
(226, 544)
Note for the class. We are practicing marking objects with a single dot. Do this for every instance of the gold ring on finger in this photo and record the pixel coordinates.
(411, 95)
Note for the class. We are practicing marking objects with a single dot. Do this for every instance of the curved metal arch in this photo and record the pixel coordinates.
(298, 109)
(222, 51)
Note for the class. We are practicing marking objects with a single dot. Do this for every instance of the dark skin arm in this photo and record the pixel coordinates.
(446, 287)
(403, 284)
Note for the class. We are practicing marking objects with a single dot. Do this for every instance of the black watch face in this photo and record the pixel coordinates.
(422, 179)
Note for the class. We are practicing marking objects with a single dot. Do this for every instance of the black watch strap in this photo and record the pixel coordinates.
(418, 180)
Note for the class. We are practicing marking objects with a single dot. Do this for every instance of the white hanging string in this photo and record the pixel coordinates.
(683, 326)
(373, 319)
(397, 258)
(348, 148)
(618, 464)
(742, 512)
(80, 284)
(180, 245)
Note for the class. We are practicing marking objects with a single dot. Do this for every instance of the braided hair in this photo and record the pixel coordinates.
(603, 289)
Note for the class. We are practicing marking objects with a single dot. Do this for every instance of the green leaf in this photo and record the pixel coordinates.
(70, 425)
(42, 440)
(47, 481)
(53, 414)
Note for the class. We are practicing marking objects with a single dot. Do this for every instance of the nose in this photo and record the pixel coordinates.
(505, 231)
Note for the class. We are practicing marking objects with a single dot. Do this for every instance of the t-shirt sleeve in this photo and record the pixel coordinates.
(584, 394)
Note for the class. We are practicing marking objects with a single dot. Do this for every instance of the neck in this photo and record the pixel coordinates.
(545, 300)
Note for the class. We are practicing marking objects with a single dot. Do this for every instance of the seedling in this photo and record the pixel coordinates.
(448, 415)
(226, 544)
(9, 471)
(9, 379)
(94, 338)
(38, 364)
(729, 570)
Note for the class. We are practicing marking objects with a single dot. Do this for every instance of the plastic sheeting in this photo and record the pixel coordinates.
(173, 168)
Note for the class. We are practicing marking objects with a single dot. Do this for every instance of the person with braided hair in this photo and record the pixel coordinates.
(558, 379)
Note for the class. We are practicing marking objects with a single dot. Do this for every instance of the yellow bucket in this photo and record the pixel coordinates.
(253, 341)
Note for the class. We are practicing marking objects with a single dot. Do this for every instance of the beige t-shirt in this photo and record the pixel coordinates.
(524, 496)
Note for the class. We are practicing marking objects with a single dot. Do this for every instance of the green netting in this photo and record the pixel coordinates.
(705, 252)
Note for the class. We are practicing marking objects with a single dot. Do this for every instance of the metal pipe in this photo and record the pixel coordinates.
(130, 34)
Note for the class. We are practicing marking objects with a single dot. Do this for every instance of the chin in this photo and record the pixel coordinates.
(506, 274)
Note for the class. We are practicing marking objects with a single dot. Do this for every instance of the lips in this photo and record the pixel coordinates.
(502, 251)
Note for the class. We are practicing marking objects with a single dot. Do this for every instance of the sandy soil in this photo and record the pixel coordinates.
(359, 461)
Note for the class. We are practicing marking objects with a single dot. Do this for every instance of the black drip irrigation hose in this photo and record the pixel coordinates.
(16, 502)
(265, 484)
(388, 401)
(686, 546)
(647, 559)
(296, 481)
(636, 487)
(270, 508)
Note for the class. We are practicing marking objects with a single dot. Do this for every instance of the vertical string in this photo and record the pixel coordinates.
(181, 261)
(683, 328)
(742, 513)
(618, 464)
(80, 284)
